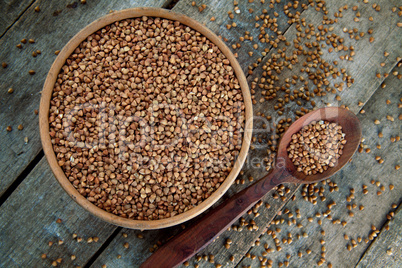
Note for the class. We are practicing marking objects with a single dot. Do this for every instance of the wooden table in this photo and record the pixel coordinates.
(353, 219)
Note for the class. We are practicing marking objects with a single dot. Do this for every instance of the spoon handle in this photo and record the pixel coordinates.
(204, 231)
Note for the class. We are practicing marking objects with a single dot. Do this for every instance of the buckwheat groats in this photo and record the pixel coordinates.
(316, 147)
(146, 118)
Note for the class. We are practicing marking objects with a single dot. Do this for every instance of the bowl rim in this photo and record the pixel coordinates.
(45, 105)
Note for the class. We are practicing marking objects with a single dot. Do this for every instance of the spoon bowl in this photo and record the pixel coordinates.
(201, 233)
(343, 117)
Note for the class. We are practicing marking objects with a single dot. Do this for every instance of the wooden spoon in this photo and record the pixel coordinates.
(216, 221)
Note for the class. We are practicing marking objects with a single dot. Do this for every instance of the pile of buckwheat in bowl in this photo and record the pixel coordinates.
(146, 118)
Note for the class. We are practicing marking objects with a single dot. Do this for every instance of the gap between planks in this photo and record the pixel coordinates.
(18, 17)
(170, 4)
(21, 177)
(372, 244)
(103, 247)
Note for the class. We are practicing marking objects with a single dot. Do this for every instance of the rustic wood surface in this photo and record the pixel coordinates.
(35, 205)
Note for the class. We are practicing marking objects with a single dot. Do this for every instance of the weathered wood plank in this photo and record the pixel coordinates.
(386, 251)
(28, 222)
(50, 34)
(361, 171)
(10, 10)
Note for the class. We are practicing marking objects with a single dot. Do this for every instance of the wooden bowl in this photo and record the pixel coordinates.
(44, 118)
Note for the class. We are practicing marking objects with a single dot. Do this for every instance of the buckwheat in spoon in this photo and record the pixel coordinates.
(314, 147)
